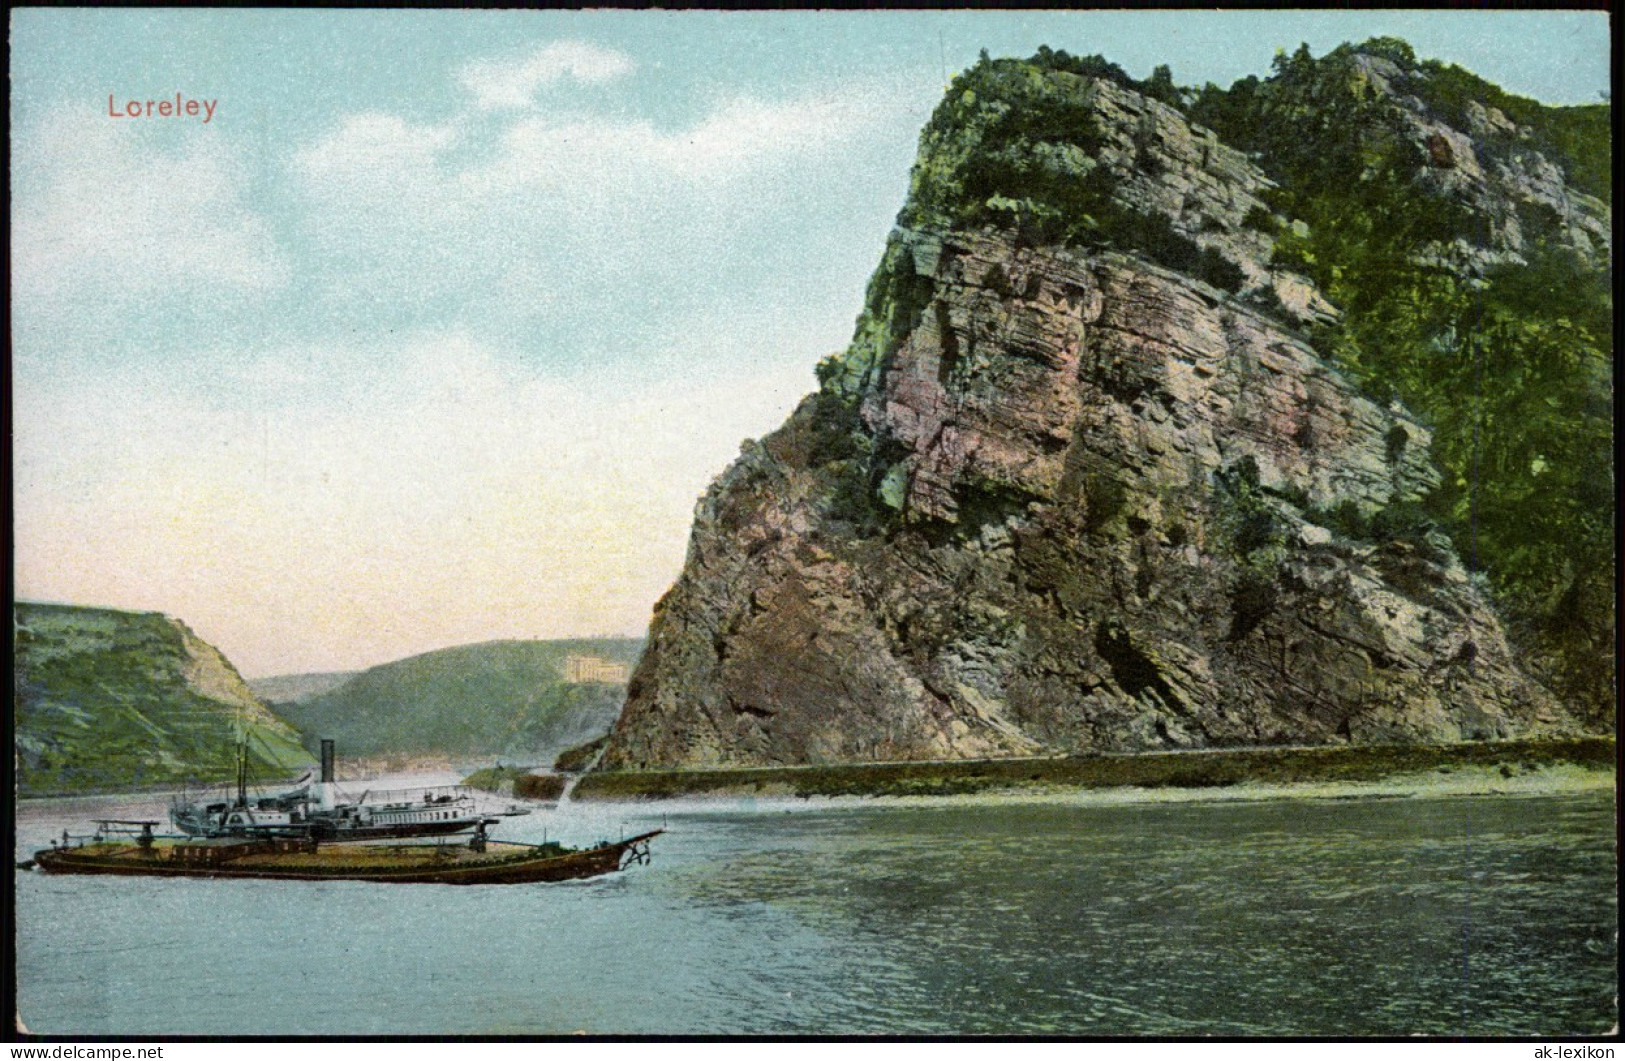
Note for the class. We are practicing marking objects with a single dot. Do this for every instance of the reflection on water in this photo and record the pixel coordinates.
(1464, 916)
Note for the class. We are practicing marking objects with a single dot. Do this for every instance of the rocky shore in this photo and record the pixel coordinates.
(1525, 766)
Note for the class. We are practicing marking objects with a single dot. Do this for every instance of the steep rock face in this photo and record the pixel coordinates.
(1458, 228)
(1066, 493)
(108, 698)
(1151, 161)
(1105, 541)
(1032, 365)
(1481, 160)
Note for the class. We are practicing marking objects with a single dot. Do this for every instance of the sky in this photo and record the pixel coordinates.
(439, 325)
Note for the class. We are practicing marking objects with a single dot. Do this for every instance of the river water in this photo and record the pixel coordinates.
(1488, 915)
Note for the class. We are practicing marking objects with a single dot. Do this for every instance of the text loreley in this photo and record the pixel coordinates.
(179, 107)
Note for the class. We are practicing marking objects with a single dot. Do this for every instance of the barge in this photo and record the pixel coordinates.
(480, 861)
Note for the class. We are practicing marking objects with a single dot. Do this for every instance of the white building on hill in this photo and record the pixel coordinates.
(593, 669)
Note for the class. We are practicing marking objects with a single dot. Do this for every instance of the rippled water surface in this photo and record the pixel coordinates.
(1460, 916)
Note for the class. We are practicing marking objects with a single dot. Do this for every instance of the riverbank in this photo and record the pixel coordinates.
(1546, 767)
(1245, 773)
(518, 782)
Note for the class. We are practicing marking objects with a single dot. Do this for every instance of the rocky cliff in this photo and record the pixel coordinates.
(1083, 481)
(1464, 234)
(107, 699)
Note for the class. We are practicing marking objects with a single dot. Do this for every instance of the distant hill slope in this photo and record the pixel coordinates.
(108, 700)
(293, 688)
(496, 698)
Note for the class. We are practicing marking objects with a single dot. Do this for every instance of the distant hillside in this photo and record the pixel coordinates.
(109, 700)
(498, 698)
(293, 688)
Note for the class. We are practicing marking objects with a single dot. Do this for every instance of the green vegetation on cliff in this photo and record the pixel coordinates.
(497, 778)
(109, 701)
(574, 760)
(1508, 356)
(1448, 222)
(502, 697)
(517, 781)
(1073, 489)
(1016, 144)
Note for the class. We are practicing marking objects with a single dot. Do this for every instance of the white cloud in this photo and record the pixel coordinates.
(430, 205)
(510, 85)
(590, 157)
(540, 215)
(380, 145)
(746, 130)
(100, 212)
(376, 177)
(739, 136)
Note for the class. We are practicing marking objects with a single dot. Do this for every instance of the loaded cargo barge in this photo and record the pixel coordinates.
(480, 862)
